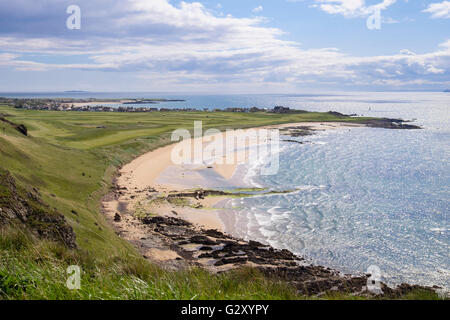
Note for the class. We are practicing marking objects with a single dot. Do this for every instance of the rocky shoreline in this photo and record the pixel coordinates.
(296, 131)
(177, 244)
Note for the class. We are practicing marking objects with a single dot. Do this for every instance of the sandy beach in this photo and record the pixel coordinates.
(172, 213)
(149, 185)
(145, 181)
(146, 170)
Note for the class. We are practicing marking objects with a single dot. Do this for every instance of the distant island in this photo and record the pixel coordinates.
(447, 90)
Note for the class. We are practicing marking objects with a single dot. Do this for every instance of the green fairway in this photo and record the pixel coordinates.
(71, 158)
(89, 130)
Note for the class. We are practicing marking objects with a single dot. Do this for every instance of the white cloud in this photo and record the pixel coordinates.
(188, 45)
(351, 8)
(439, 10)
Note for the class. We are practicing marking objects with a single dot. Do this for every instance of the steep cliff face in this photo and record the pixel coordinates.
(18, 205)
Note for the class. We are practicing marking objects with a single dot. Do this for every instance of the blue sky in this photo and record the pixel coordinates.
(231, 46)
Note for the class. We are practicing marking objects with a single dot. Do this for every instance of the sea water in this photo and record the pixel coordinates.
(362, 196)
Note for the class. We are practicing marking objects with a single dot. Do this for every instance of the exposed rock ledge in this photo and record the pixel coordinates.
(175, 244)
(384, 123)
(19, 206)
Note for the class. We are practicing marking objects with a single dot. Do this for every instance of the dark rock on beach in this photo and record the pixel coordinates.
(202, 240)
(293, 141)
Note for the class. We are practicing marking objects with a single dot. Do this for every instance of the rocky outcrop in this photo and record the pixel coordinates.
(219, 252)
(214, 248)
(19, 127)
(386, 123)
(390, 124)
(198, 194)
(18, 205)
(338, 114)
